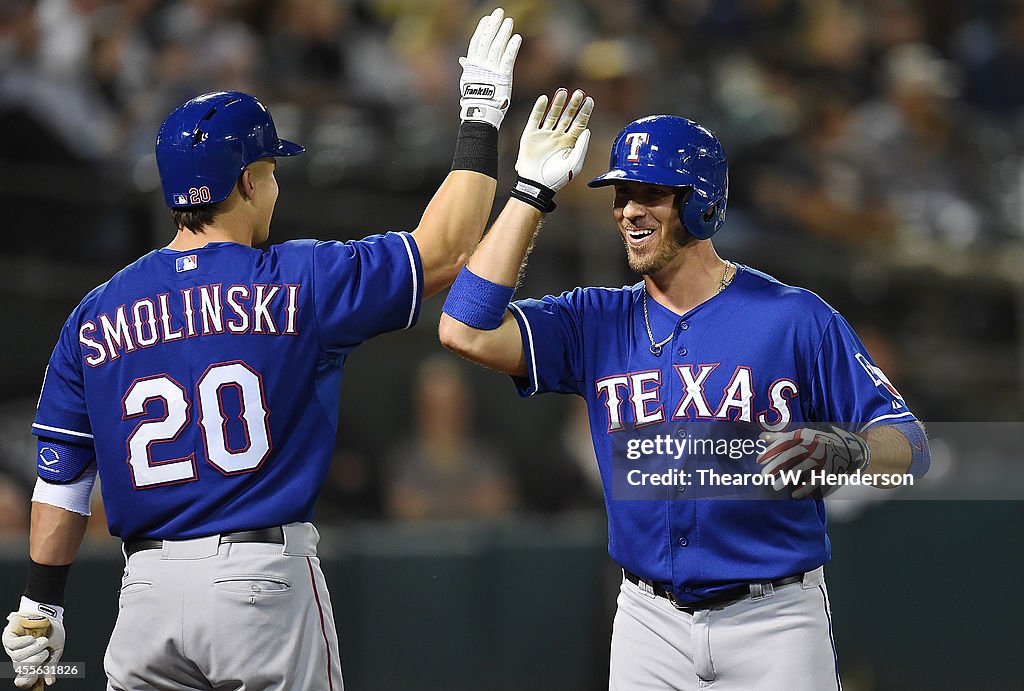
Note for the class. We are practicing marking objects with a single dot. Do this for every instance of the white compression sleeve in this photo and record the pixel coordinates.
(74, 496)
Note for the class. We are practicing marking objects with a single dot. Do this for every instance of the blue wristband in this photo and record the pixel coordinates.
(477, 302)
(921, 459)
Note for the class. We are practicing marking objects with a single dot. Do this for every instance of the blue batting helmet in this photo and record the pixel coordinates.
(205, 144)
(675, 152)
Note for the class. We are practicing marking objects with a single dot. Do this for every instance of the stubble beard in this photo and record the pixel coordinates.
(667, 250)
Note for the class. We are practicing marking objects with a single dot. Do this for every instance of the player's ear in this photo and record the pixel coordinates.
(246, 184)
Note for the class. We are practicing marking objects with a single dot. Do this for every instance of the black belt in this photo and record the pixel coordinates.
(273, 536)
(726, 597)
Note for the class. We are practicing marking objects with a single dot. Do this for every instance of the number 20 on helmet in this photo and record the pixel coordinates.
(206, 143)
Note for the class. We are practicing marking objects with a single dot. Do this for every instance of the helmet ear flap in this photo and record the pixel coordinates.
(701, 219)
(690, 215)
(683, 195)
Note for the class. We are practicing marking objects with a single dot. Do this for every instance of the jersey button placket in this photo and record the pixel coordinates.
(683, 542)
(682, 326)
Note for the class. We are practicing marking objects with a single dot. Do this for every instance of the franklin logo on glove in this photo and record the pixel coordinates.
(478, 91)
(487, 70)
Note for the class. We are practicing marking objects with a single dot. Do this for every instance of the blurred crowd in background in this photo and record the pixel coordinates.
(876, 156)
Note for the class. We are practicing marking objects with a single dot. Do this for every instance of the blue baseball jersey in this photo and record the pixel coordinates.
(208, 381)
(759, 356)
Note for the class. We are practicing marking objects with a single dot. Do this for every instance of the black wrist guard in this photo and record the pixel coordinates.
(476, 149)
(46, 583)
(534, 194)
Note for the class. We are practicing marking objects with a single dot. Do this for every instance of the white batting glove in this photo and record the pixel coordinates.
(486, 84)
(836, 452)
(29, 651)
(553, 147)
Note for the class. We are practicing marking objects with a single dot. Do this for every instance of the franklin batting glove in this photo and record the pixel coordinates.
(486, 84)
(23, 649)
(552, 148)
(27, 650)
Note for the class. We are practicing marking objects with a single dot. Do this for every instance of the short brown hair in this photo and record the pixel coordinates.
(195, 218)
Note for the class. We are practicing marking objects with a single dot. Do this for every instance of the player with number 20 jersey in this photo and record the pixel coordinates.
(203, 381)
(186, 351)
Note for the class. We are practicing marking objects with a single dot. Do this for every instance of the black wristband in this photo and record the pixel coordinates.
(534, 194)
(476, 149)
(46, 583)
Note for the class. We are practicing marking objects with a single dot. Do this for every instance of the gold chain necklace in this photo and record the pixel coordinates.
(657, 346)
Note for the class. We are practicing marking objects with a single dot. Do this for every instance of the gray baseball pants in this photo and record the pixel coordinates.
(201, 615)
(781, 641)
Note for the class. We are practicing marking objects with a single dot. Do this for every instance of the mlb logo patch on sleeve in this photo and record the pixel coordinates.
(186, 263)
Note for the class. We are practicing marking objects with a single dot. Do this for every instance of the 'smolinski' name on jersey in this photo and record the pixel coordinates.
(641, 391)
(269, 309)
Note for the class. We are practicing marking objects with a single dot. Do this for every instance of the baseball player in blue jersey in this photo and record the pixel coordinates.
(202, 384)
(704, 369)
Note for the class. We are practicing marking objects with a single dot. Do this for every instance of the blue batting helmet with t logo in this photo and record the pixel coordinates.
(675, 152)
(205, 144)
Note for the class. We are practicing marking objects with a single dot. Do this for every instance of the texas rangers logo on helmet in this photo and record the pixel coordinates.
(636, 139)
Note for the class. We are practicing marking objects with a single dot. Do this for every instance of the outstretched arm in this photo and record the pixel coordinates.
(451, 225)
(455, 218)
(498, 260)
(475, 322)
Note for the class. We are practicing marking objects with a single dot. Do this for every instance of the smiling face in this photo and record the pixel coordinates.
(648, 219)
